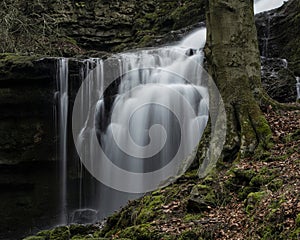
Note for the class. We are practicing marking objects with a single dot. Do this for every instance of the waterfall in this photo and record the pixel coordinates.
(267, 37)
(147, 76)
(298, 88)
(132, 115)
(91, 69)
(62, 98)
(131, 126)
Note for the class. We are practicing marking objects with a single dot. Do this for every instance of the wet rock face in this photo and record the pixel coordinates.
(279, 34)
(27, 145)
(114, 25)
(278, 80)
(26, 100)
(279, 43)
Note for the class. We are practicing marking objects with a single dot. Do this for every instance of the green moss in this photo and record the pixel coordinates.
(134, 213)
(265, 135)
(191, 174)
(121, 47)
(112, 221)
(79, 229)
(202, 198)
(44, 233)
(238, 178)
(190, 217)
(139, 232)
(9, 61)
(244, 181)
(89, 238)
(60, 233)
(297, 220)
(295, 234)
(80, 4)
(275, 184)
(295, 136)
(148, 209)
(151, 16)
(253, 199)
(188, 235)
(263, 177)
(146, 41)
(245, 191)
(35, 238)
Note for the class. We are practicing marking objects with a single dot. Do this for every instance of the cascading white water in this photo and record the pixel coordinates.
(146, 77)
(298, 88)
(87, 73)
(266, 38)
(62, 98)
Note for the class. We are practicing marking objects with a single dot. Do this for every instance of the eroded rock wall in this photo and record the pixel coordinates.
(73, 27)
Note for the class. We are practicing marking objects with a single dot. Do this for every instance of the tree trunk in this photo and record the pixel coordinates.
(234, 64)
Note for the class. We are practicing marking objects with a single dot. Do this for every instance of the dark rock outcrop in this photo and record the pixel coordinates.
(278, 80)
(27, 144)
(279, 40)
(26, 100)
(74, 27)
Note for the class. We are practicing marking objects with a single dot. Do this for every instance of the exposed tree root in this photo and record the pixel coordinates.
(265, 101)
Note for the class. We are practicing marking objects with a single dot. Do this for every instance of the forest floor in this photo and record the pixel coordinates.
(255, 198)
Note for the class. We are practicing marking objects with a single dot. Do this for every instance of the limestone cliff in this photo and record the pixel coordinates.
(73, 26)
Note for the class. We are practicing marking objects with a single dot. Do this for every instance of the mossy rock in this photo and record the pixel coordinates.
(275, 184)
(148, 208)
(244, 181)
(80, 229)
(10, 59)
(243, 175)
(35, 238)
(202, 198)
(60, 233)
(139, 232)
(119, 220)
(263, 177)
(44, 233)
(190, 217)
(245, 191)
(238, 178)
(146, 41)
(253, 199)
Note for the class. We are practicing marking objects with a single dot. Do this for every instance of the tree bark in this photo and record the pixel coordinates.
(234, 63)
